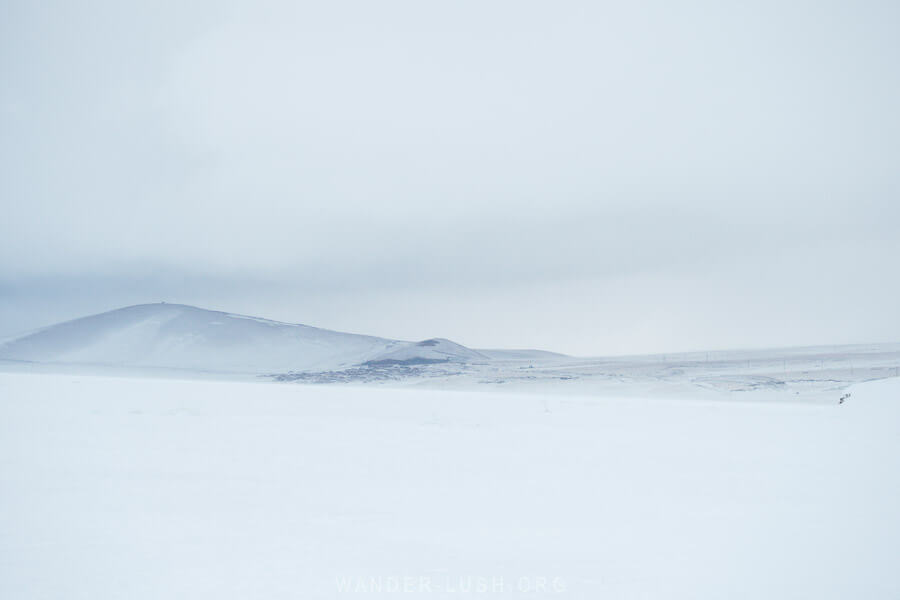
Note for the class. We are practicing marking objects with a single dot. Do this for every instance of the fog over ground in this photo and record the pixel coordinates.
(586, 177)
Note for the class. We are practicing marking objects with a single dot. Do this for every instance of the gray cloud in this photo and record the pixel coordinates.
(589, 177)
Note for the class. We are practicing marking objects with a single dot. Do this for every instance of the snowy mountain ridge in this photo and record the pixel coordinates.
(186, 337)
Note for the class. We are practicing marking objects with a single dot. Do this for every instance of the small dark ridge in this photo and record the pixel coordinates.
(428, 343)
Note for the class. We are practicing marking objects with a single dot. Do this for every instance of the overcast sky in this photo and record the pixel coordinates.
(588, 177)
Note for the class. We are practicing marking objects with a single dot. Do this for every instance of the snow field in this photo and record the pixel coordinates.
(151, 488)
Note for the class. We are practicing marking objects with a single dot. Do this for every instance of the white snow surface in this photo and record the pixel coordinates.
(134, 488)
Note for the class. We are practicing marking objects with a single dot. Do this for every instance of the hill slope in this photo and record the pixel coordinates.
(429, 351)
(186, 337)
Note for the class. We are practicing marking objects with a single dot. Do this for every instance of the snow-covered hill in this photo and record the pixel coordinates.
(429, 351)
(186, 337)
